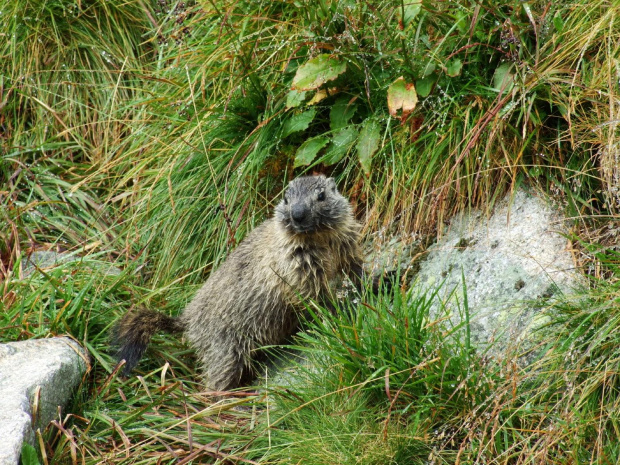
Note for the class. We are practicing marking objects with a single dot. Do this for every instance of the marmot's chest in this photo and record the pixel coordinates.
(311, 269)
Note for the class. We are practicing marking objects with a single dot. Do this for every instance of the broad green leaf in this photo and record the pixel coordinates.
(317, 71)
(341, 143)
(368, 143)
(318, 96)
(563, 109)
(429, 69)
(409, 12)
(503, 78)
(29, 455)
(461, 22)
(401, 95)
(424, 86)
(295, 98)
(342, 111)
(558, 22)
(528, 12)
(453, 68)
(299, 122)
(306, 153)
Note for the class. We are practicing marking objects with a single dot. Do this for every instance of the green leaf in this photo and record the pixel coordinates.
(306, 153)
(461, 22)
(558, 22)
(342, 111)
(317, 71)
(503, 78)
(299, 122)
(409, 12)
(318, 96)
(454, 67)
(341, 143)
(429, 69)
(424, 86)
(401, 95)
(368, 143)
(29, 455)
(295, 98)
(528, 12)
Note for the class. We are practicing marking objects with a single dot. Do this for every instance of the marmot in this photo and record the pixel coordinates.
(254, 298)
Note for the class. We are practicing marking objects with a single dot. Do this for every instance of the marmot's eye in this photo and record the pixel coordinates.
(285, 201)
(321, 196)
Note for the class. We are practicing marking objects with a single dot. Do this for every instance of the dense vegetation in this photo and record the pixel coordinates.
(151, 136)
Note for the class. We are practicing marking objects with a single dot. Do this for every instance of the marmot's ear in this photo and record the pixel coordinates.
(331, 184)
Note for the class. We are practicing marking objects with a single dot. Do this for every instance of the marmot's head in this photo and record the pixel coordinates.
(312, 204)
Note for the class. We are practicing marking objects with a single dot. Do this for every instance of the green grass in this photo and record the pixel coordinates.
(153, 135)
(375, 382)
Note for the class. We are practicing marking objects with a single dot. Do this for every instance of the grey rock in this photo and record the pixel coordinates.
(36, 374)
(47, 259)
(43, 259)
(513, 262)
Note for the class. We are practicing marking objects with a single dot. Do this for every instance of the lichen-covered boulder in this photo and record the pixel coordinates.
(36, 377)
(513, 262)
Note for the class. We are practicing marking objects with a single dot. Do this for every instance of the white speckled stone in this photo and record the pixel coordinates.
(513, 261)
(47, 260)
(56, 367)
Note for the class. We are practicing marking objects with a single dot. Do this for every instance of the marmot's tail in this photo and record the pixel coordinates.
(132, 334)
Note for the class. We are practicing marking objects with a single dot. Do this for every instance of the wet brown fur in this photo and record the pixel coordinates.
(254, 298)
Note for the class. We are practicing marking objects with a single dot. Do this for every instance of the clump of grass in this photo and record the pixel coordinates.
(66, 74)
(79, 296)
(579, 374)
(339, 427)
(68, 70)
(377, 380)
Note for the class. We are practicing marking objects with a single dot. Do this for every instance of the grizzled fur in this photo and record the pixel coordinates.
(253, 299)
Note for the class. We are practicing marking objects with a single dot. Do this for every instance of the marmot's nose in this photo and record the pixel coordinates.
(298, 213)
